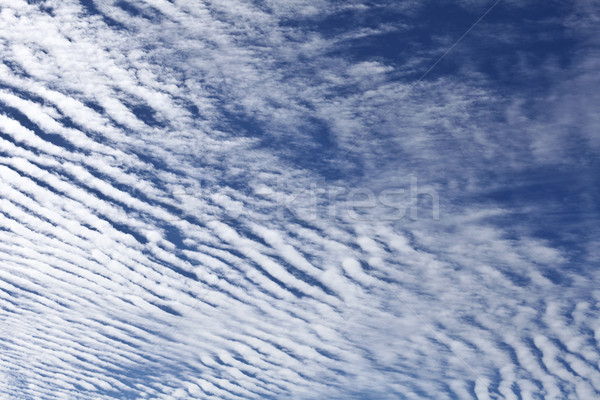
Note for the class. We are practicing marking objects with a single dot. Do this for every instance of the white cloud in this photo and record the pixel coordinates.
(121, 147)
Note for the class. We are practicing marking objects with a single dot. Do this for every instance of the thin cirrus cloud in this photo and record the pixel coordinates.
(175, 187)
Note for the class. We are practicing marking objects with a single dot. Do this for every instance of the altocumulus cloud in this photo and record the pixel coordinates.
(196, 200)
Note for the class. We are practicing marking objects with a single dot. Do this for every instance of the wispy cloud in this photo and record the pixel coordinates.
(131, 132)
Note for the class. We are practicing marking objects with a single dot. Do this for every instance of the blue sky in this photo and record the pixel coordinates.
(299, 199)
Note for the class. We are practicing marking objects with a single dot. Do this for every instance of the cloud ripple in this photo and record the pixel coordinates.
(131, 131)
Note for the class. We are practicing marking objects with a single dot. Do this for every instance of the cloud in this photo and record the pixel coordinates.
(160, 163)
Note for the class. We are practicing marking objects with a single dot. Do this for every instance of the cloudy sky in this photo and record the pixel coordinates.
(299, 199)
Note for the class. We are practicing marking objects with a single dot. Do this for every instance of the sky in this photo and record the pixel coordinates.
(299, 199)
